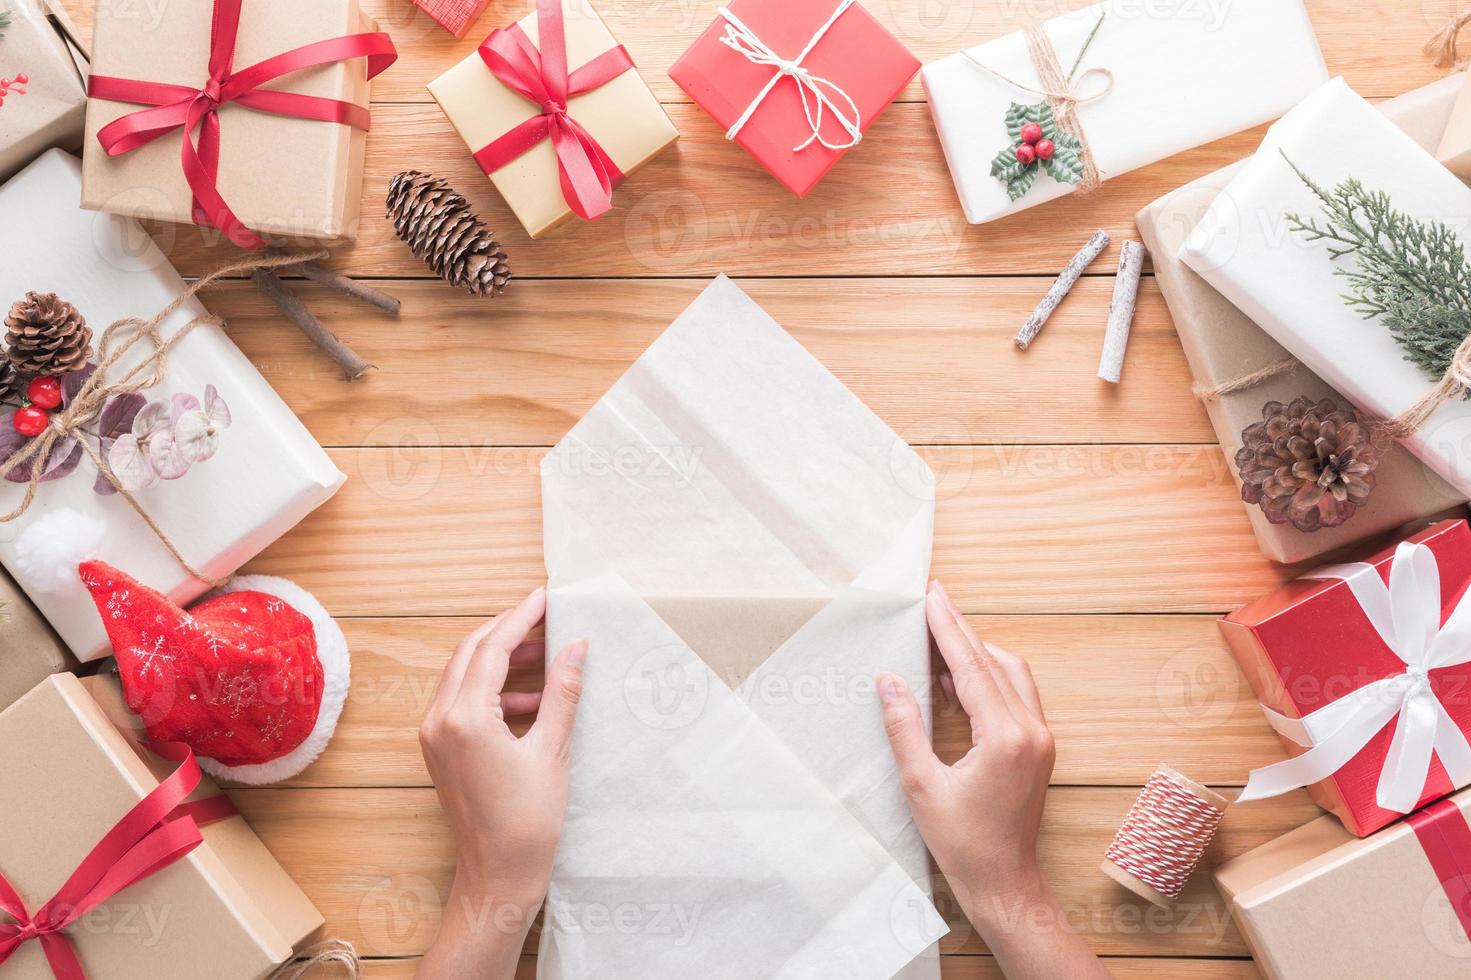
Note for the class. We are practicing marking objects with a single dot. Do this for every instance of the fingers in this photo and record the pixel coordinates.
(986, 658)
(533, 607)
(907, 736)
(559, 700)
(1020, 675)
(975, 686)
(515, 704)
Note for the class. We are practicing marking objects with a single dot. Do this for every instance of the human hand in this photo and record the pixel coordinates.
(504, 797)
(981, 816)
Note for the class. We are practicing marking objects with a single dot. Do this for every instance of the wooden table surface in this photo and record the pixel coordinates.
(1094, 529)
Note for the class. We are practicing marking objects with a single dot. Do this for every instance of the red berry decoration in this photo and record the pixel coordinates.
(44, 392)
(1045, 149)
(1031, 133)
(31, 421)
(1026, 155)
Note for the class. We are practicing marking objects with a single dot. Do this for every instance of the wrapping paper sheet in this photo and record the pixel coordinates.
(269, 472)
(1243, 248)
(1186, 73)
(39, 44)
(760, 831)
(1222, 344)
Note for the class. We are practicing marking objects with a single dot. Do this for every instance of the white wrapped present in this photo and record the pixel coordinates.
(1245, 248)
(1184, 73)
(266, 474)
(745, 545)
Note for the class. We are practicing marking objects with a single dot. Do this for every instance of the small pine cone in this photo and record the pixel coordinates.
(437, 225)
(1309, 463)
(45, 334)
(9, 378)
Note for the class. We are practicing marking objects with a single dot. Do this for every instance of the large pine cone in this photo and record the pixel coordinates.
(1309, 463)
(438, 226)
(44, 334)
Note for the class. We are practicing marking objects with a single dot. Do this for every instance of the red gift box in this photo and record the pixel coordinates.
(1361, 668)
(455, 16)
(851, 69)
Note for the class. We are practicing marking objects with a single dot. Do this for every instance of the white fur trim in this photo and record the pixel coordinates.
(336, 676)
(48, 552)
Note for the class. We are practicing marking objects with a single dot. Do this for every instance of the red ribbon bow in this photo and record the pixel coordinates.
(587, 174)
(160, 830)
(192, 108)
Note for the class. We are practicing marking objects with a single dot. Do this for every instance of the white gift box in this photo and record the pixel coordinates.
(745, 545)
(1244, 247)
(268, 473)
(1185, 73)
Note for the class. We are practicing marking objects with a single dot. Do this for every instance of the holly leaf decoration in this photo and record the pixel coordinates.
(1066, 165)
(1017, 177)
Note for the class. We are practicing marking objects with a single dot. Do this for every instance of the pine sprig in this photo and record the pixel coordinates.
(4, 22)
(1412, 275)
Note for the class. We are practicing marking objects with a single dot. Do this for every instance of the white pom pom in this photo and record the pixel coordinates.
(49, 550)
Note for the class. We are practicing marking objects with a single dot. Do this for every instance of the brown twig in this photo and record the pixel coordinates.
(269, 283)
(343, 284)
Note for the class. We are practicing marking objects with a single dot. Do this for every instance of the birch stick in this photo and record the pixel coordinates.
(1121, 311)
(1061, 288)
(352, 365)
(343, 284)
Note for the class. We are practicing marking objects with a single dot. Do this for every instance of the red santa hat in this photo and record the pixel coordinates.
(253, 677)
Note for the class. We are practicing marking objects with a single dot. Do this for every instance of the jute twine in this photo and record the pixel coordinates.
(1057, 87)
(329, 951)
(86, 406)
(1442, 47)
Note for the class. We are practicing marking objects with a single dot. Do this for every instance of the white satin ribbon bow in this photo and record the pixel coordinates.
(1406, 615)
(817, 93)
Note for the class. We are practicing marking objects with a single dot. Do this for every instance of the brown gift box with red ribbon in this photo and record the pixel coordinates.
(1321, 904)
(29, 649)
(225, 909)
(554, 154)
(272, 156)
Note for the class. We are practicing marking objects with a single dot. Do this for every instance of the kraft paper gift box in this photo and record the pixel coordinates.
(1453, 148)
(281, 176)
(1351, 664)
(268, 472)
(29, 650)
(227, 910)
(1222, 344)
(849, 54)
(1319, 904)
(1184, 73)
(621, 116)
(1243, 247)
(757, 552)
(43, 91)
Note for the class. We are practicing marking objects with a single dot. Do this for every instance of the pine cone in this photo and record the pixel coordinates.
(1310, 464)
(9, 378)
(438, 226)
(45, 334)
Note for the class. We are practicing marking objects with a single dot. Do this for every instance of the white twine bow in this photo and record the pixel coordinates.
(1406, 615)
(817, 93)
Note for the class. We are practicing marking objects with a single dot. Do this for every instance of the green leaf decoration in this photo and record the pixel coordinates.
(1066, 165)
(1011, 172)
(1017, 117)
(4, 21)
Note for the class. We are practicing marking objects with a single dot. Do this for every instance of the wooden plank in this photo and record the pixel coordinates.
(378, 863)
(424, 530)
(1374, 44)
(951, 968)
(521, 371)
(1122, 693)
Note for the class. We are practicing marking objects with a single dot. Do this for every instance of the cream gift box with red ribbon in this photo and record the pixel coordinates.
(267, 474)
(1364, 670)
(1183, 74)
(758, 551)
(555, 129)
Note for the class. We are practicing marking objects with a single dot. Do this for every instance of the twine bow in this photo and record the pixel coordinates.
(1060, 90)
(87, 404)
(817, 93)
(1442, 47)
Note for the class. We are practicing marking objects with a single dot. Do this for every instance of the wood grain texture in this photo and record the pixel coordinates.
(1123, 693)
(378, 863)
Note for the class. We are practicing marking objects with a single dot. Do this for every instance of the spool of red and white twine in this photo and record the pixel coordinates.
(1164, 836)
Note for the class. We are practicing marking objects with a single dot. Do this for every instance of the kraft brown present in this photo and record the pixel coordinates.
(280, 175)
(29, 650)
(735, 635)
(43, 91)
(621, 115)
(1321, 904)
(1222, 344)
(226, 910)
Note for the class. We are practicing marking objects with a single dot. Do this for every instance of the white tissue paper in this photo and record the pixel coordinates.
(1244, 248)
(745, 545)
(1186, 72)
(268, 472)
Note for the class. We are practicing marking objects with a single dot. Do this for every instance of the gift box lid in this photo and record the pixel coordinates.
(857, 54)
(226, 910)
